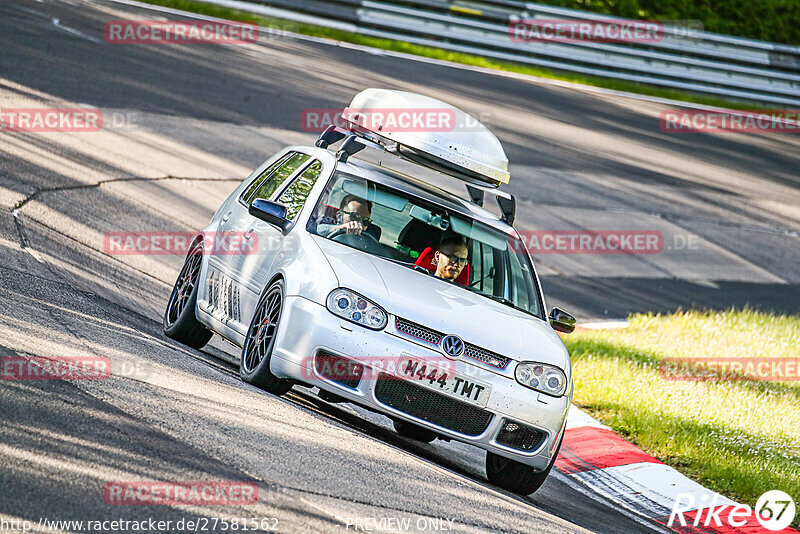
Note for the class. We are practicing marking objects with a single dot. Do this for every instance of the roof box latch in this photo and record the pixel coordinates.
(330, 136)
(349, 147)
(508, 207)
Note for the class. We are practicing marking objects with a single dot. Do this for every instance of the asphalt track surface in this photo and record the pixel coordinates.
(189, 123)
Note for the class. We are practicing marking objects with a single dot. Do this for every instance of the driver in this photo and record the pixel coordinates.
(451, 258)
(353, 217)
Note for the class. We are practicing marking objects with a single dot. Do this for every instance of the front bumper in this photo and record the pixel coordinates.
(307, 328)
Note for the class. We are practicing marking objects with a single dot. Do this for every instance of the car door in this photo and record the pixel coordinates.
(224, 280)
(255, 268)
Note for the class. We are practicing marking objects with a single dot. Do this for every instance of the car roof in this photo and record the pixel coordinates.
(422, 189)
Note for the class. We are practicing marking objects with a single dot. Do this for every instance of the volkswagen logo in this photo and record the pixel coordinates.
(453, 346)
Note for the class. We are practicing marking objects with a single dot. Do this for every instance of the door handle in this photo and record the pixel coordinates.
(248, 234)
(226, 217)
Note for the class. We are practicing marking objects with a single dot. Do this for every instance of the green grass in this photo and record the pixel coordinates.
(768, 20)
(740, 438)
(456, 57)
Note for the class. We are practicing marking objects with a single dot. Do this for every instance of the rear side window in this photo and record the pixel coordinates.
(272, 178)
(248, 193)
(296, 194)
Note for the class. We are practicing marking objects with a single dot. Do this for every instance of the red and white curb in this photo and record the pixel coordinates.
(600, 459)
(636, 481)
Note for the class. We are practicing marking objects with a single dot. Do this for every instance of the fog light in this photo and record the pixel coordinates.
(519, 436)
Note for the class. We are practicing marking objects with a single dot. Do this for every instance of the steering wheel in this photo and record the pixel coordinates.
(342, 231)
(362, 241)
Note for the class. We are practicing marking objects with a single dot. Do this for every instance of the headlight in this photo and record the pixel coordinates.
(357, 309)
(541, 377)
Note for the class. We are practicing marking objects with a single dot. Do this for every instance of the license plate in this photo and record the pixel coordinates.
(445, 381)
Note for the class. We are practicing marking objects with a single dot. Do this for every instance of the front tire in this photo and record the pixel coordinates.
(180, 321)
(260, 342)
(515, 476)
(414, 432)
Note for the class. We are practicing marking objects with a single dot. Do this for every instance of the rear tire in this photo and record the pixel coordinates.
(414, 432)
(260, 342)
(180, 321)
(515, 476)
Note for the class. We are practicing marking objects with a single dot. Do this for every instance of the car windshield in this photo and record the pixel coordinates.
(427, 237)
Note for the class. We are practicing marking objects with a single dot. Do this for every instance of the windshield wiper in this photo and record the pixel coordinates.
(502, 300)
(399, 262)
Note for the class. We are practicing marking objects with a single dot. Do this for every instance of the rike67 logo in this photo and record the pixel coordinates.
(774, 511)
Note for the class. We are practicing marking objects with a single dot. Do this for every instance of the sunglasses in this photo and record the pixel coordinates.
(355, 216)
(452, 259)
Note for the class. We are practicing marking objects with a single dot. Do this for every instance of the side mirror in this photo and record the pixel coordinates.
(562, 321)
(270, 212)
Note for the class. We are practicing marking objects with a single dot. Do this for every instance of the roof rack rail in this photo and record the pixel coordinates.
(505, 201)
(349, 147)
(331, 135)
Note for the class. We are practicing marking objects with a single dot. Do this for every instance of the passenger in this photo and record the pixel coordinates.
(451, 258)
(353, 217)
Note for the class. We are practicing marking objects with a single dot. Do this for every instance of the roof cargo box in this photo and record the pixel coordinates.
(431, 133)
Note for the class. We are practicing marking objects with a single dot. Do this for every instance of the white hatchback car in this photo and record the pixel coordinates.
(383, 290)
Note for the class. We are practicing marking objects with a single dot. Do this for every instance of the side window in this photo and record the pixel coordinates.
(248, 193)
(272, 178)
(296, 194)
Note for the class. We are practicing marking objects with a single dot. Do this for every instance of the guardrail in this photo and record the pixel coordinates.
(683, 57)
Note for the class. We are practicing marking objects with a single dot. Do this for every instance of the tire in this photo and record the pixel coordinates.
(260, 342)
(514, 476)
(414, 432)
(180, 321)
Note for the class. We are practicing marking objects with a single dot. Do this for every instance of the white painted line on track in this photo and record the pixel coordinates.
(577, 418)
(660, 484)
(590, 492)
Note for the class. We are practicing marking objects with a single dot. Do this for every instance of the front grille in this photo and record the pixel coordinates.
(429, 406)
(338, 369)
(519, 436)
(418, 331)
(485, 356)
(433, 336)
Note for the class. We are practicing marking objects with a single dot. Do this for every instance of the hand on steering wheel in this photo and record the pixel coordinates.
(351, 228)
